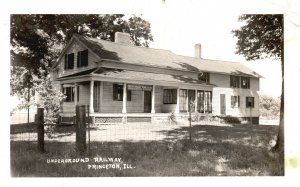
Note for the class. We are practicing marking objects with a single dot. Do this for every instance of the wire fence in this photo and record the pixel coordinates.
(100, 133)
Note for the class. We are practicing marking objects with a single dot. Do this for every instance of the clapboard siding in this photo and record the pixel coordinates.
(222, 83)
(74, 48)
(84, 94)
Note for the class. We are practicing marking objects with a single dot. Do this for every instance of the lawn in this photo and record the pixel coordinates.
(150, 150)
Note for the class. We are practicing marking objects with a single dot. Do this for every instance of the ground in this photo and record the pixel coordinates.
(149, 150)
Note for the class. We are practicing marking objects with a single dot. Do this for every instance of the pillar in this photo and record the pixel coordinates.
(153, 100)
(124, 98)
(92, 96)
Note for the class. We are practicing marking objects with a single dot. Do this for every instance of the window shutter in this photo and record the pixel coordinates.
(78, 59)
(238, 101)
(66, 61)
(71, 59)
(84, 58)
(253, 102)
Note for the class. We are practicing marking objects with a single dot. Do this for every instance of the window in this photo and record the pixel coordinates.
(249, 102)
(235, 101)
(204, 104)
(204, 76)
(182, 100)
(69, 61)
(170, 96)
(118, 93)
(82, 58)
(69, 92)
(245, 82)
(234, 81)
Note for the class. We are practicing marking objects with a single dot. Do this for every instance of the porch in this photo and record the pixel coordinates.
(117, 97)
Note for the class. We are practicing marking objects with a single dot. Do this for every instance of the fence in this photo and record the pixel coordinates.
(87, 136)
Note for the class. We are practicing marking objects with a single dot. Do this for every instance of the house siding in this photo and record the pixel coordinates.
(222, 83)
(74, 48)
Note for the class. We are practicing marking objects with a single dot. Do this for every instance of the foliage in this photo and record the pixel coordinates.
(37, 40)
(260, 37)
(172, 118)
(269, 107)
(49, 98)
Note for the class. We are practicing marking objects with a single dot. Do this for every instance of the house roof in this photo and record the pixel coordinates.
(160, 58)
(136, 75)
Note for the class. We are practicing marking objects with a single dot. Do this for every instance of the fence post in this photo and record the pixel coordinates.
(40, 129)
(80, 129)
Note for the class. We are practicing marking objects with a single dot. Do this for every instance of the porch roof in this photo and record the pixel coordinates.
(108, 73)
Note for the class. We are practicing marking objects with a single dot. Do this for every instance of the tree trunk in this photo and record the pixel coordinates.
(28, 99)
(279, 146)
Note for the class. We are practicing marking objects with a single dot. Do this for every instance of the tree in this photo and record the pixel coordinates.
(37, 40)
(262, 37)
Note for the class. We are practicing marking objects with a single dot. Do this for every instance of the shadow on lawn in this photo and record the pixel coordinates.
(214, 151)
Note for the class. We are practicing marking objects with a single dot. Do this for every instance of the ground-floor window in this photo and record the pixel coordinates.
(183, 95)
(204, 104)
(69, 92)
(118, 93)
(170, 96)
(249, 102)
(235, 101)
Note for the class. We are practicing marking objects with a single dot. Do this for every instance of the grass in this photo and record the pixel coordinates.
(236, 150)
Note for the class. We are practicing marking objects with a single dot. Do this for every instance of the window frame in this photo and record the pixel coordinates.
(80, 61)
(204, 76)
(69, 61)
(69, 90)
(235, 101)
(235, 81)
(119, 87)
(247, 79)
(247, 102)
(171, 98)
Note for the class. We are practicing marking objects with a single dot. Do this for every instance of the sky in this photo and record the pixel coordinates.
(178, 31)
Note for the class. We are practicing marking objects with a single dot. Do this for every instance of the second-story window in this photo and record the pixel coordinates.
(204, 76)
(69, 61)
(234, 81)
(245, 82)
(82, 58)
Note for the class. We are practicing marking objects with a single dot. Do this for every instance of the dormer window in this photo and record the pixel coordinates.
(204, 76)
(69, 61)
(82, 58)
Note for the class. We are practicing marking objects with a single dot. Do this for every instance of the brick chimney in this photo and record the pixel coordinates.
(122, 38)
(197, 50)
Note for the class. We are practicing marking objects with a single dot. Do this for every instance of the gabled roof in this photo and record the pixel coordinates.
(160, 58)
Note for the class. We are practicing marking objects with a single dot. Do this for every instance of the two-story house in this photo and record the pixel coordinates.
(123, 83)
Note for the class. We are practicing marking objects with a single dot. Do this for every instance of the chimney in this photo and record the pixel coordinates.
(122, 38)
(197, 50)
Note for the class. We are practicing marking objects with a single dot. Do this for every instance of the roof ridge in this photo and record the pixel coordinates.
(122, 44)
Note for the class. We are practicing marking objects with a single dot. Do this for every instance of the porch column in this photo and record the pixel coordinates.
(153, 100)
(124, 98)
(177, 105)
(75, 94)
(91, 96)
(196, 100)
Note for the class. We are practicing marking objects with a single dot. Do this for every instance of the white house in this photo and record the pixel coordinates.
(124, 83)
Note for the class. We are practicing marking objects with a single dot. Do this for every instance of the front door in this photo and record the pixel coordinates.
(147, 101)
(222, 104)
